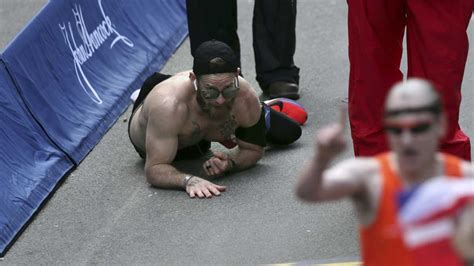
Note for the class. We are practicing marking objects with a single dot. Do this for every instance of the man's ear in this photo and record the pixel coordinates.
(192, 76)
(238, 72)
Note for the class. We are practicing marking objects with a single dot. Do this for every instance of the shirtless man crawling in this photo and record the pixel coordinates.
(177, 116)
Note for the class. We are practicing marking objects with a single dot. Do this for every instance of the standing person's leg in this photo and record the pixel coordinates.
(376, 31)
(213, 19)
(437, 50)
(274, 23)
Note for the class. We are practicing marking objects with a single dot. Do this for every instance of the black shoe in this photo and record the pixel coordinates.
(283, 89)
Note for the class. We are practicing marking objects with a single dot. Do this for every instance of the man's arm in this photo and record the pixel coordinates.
(318, 182)
(247, 155)
(162, 143)
(463, 237)
(467, 169)
(161, 147)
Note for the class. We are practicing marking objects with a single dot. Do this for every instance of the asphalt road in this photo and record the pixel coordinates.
(105, 212)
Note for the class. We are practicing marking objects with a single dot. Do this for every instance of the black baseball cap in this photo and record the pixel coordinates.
(210, 50)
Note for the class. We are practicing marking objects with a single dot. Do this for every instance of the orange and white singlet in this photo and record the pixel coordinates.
(381, 241)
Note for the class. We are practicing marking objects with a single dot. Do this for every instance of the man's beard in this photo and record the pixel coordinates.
(217, 112)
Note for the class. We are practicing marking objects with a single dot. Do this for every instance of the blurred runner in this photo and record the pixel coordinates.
(414, 123)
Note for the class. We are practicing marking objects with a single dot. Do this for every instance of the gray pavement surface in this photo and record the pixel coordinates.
(105, 212)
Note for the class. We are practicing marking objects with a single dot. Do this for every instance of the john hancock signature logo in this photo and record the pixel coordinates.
(91, 42)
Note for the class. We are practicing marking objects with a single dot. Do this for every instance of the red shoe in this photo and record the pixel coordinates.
(290, 108)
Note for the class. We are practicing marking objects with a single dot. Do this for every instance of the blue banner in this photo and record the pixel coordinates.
(64, 81)
(77, 62)
(30, 164)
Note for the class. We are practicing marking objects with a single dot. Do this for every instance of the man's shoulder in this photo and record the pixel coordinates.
(161, 105)
(170, 93)
(247, 106)
(162, 101)
(467, 167)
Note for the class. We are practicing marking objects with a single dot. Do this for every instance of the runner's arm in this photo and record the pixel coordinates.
(345, 179)
(162, 145)
(318, 182)
(467, 169)
(464, 233)
(247, 155)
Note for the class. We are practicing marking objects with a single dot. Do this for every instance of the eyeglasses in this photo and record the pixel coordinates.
(415, 129)
(212, 93)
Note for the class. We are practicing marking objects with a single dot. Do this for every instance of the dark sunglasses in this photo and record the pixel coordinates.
(212, 93)
(414, 129)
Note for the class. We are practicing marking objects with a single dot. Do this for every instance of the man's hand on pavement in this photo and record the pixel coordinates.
(202, 188)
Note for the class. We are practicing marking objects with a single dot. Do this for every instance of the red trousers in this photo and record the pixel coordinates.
(437, 47)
